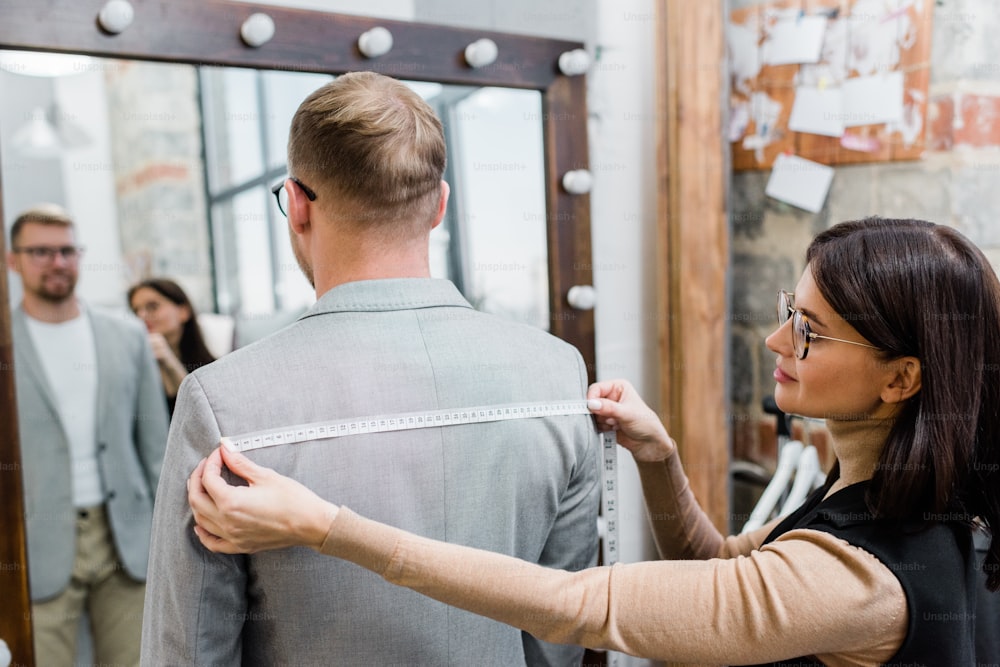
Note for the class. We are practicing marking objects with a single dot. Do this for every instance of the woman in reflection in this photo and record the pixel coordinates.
(174, 334)
(892, 337)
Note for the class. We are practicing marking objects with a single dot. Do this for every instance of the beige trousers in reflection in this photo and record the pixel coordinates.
(113, 600)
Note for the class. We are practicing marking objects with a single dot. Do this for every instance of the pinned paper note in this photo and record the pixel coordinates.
(795, 40)
(863, 144)
(870, 100)
(799, 182)
(818, 111)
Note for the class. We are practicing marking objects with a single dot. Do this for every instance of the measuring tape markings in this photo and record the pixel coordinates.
(405, 421)
(456, 417)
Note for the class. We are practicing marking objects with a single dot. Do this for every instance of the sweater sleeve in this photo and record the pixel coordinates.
(681, 529)
(807, 593)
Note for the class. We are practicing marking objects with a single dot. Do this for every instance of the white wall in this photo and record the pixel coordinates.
(386, 9)
(623, 202)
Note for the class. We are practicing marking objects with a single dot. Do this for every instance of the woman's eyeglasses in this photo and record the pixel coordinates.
(801, 333)
(282, 195)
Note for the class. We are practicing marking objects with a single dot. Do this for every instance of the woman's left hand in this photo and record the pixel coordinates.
(272, 512)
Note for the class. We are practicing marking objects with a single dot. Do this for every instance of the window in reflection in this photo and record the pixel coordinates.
(492, 243)
(495, 146)
(175, 174)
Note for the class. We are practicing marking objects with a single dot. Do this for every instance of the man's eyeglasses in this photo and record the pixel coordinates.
(45, 254)
(281, 194)
(801, 333)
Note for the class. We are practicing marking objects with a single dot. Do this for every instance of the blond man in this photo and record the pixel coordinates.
(93, 427)
(366, 157)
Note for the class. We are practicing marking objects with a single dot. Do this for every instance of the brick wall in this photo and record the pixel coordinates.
(957, 182)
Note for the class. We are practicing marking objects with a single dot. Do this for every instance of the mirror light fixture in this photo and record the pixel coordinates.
(481, 53)
(47, 133)
(582, 297)
(575, 62)
(115, 16)
(577, 181)
(375, 42)
(257, 30)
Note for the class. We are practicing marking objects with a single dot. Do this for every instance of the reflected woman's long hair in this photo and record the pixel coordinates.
(193, 351)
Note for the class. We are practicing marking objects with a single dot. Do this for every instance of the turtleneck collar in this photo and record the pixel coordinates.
(858, 445)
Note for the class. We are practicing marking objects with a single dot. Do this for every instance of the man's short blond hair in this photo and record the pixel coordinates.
(369, 145)
(42, 214)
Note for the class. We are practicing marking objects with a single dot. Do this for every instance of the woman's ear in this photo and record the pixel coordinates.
(904, 381)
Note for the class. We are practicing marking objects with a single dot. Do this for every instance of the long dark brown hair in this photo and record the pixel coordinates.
(914, 288)
(193, 351)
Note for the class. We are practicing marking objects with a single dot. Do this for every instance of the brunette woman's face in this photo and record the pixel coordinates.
(836, 380)
(160, 314)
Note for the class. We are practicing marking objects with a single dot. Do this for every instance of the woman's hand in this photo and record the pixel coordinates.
(273, 512)
(618, 407)
(172, 371)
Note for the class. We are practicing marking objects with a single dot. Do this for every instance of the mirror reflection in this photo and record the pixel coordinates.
(168, 168)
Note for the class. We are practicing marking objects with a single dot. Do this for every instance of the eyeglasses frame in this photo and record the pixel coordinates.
(791, 313)
(69, 253)
(276, 191)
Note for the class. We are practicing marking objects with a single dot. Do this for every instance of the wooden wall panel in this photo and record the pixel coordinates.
(693, 244)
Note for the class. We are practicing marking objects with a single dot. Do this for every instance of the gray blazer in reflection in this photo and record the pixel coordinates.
(527, 488)
(131, 438)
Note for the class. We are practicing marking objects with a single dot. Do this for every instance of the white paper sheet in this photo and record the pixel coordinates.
(796, 40)
(869, 100)
(818, 111)
(799, 182)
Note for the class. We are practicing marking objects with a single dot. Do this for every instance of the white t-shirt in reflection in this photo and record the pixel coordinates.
(69, 358)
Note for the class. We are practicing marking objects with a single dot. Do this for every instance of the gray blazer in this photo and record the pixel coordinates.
(528, 488)
(131, 438)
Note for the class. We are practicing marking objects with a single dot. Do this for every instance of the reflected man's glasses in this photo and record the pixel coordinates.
(46, 254)
(282, 195)
(801, 333)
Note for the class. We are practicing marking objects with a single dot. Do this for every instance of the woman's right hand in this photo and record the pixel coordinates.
(618, 407)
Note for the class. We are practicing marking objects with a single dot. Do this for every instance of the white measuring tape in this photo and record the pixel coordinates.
(339, 428)
(289, 435)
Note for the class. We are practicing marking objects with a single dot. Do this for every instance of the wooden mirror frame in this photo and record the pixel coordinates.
(207, 32)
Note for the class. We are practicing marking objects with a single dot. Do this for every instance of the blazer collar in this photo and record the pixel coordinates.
(32, 364)
(388, 295)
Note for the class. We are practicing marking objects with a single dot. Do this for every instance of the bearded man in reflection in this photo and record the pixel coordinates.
(366, 156)
(93, 426)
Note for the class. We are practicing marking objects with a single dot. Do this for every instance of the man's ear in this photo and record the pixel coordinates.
(12, 262)
(442, 205)
(905, 381)
(299, 211)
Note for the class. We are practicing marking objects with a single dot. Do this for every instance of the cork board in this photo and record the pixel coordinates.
(880, 44)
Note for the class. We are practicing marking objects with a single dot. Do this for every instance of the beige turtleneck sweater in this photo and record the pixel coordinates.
(729, 601)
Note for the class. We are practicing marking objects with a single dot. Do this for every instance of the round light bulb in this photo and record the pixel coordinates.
(481, 53)
(577, 181)
(257, 30)
(575, 62)
(375, 42)
(115, 16)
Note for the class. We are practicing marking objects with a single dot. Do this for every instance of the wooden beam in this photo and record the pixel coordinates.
(15, 622)
(693, 244)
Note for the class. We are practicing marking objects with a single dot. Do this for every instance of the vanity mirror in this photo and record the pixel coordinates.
(274, 48)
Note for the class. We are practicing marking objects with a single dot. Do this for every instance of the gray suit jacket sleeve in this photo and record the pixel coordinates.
(150, 418)
(199, 622)
(572, 542)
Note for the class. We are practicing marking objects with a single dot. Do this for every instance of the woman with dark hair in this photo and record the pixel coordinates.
(893, 337)
(174, 334)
